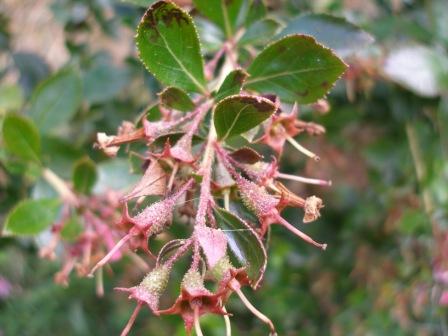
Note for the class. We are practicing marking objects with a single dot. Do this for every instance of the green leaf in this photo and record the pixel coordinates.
(56, 100)
(421, 70)
(72, 229)
(260, 32)
(177, 99)
(103, 81)
(237, 114)
(114, 174)
(21, 137)
(168, 46)
(211, 36)
(336, 33)
(296, 68)
(224, 13)
(84, 175)
(232, 84)
(140, 3)
(11, 98)
(30, 217)
(244, 243)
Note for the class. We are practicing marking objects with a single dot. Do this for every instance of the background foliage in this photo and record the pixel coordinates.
(385, 149)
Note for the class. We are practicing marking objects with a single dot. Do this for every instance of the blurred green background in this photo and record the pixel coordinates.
(386, 149)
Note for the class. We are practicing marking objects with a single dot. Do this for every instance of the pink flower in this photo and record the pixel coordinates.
(194, 301)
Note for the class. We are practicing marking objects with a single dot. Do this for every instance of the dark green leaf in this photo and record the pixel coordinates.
(257, 11)
(232, 84)
(296, 68)
(260, 32)
(169, 47)
(224, 13)
(56, 100)
(177, 99)
(21, 137)
(30, 217)
(237, 114)
(72, 228)
(334, 32)
(244, 243)
(84, 175)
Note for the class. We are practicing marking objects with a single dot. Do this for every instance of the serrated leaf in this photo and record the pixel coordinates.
(84, 175)
(168, 46)
(177, 99)
(244, 243)
(30, 217)
(237, 114)
(224, 13)
(342, 36)
(422, 70)
(260, 32)
(56, 101)
(21, 137)
(153, 182)
(296, 68)
(232, 84)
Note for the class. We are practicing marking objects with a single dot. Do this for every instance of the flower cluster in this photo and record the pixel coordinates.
(195, 172)
(184, 173)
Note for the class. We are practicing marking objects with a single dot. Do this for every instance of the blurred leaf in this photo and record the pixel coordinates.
(296, 68)
(222, 12)
(84, 175)
(11, 98)
(211, 37)
(103, 82)
(72, 228)
(140, 3)
(232, 84)
(237, 114)
(169, 47)
(414, 222)
(59, 155)
(422, 70)
(30, 217)
(177, 99)
(32, 68)
(56, 100)
(336, 33)
(256, 12)
(259, 32)
(114, 175)
(244, 243)
(21, 137)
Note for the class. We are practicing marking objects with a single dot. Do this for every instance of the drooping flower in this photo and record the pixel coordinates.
(284, 126)
(263, 204)
(147, 292)
(151, 221)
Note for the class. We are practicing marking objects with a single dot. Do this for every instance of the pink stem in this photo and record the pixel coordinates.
(299, 233)
(131, 321)
(106, 258)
